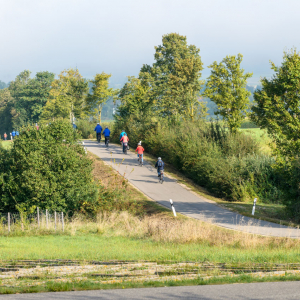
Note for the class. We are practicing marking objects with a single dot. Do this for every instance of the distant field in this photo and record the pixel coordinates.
(261, 136)
(6, 144)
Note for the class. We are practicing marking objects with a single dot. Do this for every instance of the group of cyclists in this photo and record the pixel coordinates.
(125, 140)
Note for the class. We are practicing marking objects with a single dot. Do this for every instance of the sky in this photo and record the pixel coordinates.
(118, 36)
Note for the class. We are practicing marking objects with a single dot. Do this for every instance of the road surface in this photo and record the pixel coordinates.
(253, 291)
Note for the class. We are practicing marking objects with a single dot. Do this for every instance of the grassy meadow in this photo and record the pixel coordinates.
(6, 144)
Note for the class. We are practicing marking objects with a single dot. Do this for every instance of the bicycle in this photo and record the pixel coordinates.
(140, 160)
(125, 147)
(106, 141)
(98, 137)
(161, 177)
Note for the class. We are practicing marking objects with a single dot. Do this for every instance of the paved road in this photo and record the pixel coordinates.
(253, 291)
(185, 201)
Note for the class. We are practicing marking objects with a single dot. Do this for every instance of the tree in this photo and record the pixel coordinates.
(226, 86)
(30, 96)
(6, 111)
(100, 94)
(46, 168)
(277, 105)
(176, 77)
(66, 97)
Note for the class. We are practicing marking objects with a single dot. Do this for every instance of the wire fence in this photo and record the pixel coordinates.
(40, 220)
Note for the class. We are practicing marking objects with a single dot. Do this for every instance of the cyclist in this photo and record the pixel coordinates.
(106, 133)
(122, 133)
(125, 141)
(140, 150)
(159, 165)
(98, 130)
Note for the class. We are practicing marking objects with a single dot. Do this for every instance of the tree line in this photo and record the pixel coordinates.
(43, 98)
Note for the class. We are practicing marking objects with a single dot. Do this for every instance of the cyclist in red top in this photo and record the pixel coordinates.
(140, 150)
(125, 141)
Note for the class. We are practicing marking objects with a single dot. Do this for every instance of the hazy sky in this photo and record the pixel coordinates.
(118, 36)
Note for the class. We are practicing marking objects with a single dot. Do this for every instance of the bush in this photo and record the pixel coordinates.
(228, 165)
(46, 168)
(86, 128)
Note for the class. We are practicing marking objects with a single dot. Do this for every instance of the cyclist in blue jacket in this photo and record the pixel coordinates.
(122, 133)
(106, 133)
(98, 130)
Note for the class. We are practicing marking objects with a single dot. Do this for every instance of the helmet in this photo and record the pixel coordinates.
(159, 158)
(97, 123)
(139, 144)
(106, 127)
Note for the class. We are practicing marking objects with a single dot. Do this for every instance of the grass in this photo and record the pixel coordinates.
(6, 144)
(153, 236)
(261, 136)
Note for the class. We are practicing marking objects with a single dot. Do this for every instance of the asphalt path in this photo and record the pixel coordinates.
(185, 201)
(253, 291)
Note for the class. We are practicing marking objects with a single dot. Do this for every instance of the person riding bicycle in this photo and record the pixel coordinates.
(160, 166)
(125, 141)
(98, 130)
(140, 150)
(122, 133)
(106, 133)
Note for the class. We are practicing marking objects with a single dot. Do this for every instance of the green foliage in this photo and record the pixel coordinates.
(177, 73)
(7, 112)
(226, 86)
(229, 165)
(100, 94)
(277, 105)
(46, 168)
(30, 96)
(169, 88)
(277, 109)
(67, 97)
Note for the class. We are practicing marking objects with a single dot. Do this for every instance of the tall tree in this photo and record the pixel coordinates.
(176, 77)
(6, 111)
(30, 96)
(67, 96)
(100, 94)
(277, 105)
(226, 86)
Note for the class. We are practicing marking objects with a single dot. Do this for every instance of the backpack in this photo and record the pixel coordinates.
(160, 164)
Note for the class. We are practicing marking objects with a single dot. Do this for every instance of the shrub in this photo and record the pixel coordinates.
(46, 168)
(229, 165)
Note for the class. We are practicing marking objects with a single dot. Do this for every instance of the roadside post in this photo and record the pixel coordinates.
(8, 221)
(38, 216)
(173, 208)
(253, 209)
(62, 221)
(55, 220)
(47, 218)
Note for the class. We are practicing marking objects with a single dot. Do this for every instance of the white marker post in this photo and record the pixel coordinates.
(173, 208)
(253, 209)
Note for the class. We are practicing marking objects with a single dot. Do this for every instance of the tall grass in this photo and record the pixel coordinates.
(157, 228)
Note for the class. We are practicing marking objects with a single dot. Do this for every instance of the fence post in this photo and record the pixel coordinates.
(38, 216)
(55, 220)
(47, 218)
(62, 221)
(8, 221)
